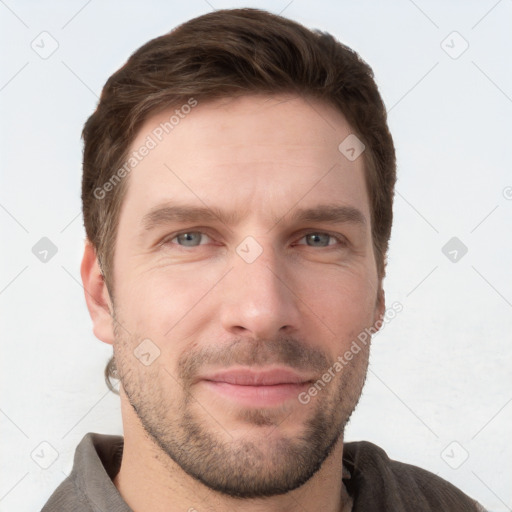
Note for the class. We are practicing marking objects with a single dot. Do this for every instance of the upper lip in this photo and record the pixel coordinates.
(261, 377)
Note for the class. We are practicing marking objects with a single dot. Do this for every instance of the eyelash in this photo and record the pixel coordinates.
(339, 238)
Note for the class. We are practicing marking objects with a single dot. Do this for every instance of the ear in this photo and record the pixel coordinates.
(380, 307)
(96, 295)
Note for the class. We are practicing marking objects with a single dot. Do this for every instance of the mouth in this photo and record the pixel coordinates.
(257, 388)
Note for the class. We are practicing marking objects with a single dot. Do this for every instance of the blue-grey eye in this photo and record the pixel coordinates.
(318, 239)
(190, 239)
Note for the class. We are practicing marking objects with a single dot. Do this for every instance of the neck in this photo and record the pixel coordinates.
(149, 480)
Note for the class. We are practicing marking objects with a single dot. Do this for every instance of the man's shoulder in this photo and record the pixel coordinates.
(89, 486)
(380, 483)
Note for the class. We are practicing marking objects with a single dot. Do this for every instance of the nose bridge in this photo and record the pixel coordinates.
(257, 297)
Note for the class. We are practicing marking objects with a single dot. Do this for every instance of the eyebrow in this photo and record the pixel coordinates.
(329, 213)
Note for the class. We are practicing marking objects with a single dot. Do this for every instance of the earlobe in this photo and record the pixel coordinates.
(96, 295)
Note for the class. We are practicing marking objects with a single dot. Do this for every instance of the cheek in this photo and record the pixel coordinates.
(163, 302)
(343, 299)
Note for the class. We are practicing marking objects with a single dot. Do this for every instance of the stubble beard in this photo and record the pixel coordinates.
(258, 465)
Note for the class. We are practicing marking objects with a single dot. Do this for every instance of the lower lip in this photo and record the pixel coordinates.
(257, 396)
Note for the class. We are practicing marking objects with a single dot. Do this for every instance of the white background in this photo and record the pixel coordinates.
(440, 371)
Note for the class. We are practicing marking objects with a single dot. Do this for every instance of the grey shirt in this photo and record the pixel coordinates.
(375, 482)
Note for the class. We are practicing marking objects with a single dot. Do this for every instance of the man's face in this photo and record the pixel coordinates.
(245, 302)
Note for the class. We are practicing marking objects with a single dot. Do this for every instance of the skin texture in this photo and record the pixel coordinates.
(298, 304)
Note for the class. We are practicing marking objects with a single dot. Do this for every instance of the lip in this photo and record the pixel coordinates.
(263, 377)
(257, 388)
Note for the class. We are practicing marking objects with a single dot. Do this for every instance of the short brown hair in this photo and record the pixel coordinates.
(230, 53)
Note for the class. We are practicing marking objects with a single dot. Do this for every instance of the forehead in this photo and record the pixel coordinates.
(263, 152)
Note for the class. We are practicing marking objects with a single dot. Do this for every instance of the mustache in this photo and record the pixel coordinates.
(285, 350)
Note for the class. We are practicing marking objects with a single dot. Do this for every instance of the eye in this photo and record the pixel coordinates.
(319, 239)
(188, 239)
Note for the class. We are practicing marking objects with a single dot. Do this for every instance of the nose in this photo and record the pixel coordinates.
(258, 298)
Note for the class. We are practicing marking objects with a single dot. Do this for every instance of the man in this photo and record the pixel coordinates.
(237, 197)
